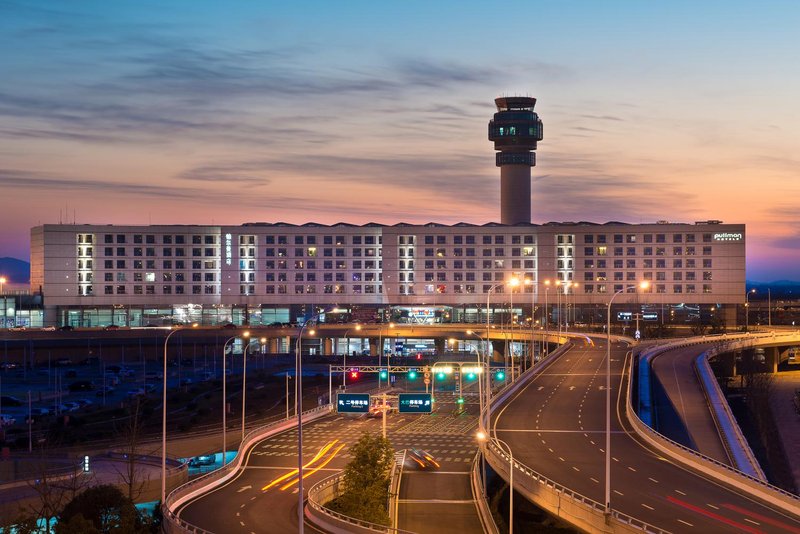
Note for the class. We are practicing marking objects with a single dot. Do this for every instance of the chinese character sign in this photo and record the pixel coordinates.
(352, 402)
(415, 403)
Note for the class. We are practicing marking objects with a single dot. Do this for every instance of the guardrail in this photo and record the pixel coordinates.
(477, 484)
(172, 521)
(335, 522)
(556, 498)
(709, 466)
(728, 429)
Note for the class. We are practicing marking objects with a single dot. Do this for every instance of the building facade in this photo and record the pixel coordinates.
(259, 273)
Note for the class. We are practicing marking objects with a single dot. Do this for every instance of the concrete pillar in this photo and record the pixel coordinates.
(440, 344)
(373, 346)
(274, 345)
(327, 348)
(773, 357)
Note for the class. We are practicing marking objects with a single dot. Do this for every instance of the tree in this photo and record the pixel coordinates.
(366, 480)
(131, 474)
(53, 490)
(105, 507)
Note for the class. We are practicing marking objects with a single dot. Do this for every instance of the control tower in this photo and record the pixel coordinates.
(515, 129)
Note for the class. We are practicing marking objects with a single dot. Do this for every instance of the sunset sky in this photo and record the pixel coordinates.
(200, 112)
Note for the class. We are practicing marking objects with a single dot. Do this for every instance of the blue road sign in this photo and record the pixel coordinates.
(415, 403)
(352, 402)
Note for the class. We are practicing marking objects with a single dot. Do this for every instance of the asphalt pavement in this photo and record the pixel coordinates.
(556, 426)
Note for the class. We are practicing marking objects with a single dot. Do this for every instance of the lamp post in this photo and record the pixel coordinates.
(245, 334)
(769, 307)
(244, 379)
(164, 418)
(747, 310)
(347, 349)
(380, 354)
(3, 281)
(533, 283)
(512, 282)
(546, 317)
(298, 374)
(642, 285)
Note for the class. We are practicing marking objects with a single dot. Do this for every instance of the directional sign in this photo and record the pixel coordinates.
(415, 402)
(352, 402)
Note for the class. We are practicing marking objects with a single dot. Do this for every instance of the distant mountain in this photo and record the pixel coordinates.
(779, 289)
(16, 271)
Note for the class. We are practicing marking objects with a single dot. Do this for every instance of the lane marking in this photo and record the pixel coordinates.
(685, 522)
(652, 479)
(711, 515)
(294, 472)
(762, 518)
(648, 507)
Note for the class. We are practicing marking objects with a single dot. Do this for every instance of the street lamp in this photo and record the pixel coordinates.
(747, 310)
(642, 285)
(346, 350)
(244, 378)
(512, 282)
(483, 437)
(380, 354)
(3, 281)
(298, 374)
(245, 334)
(164, 418)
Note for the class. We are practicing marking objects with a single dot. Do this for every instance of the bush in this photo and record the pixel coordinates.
(366, 481)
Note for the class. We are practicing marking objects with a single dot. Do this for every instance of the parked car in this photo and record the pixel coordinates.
(50, 328)
(81, 385)
(229, 326)
(6, 420)
(17, 328)
(67, 328)
(199, 461)
(111, 327)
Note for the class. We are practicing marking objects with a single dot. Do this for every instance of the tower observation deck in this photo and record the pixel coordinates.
(515, 130)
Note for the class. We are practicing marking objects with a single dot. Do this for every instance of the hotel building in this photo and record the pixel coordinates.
(259, 273)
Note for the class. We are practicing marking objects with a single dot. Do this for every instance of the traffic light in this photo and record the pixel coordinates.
(470, 376)
(412, 375)
(354, 375)
(419, 355)
(460, 400)
(440, 375)
(500, 375)
(384, 373)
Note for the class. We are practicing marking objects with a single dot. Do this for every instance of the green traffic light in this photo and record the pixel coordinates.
(412, 375)
(470, 376)
(500, 375)
(384, 374)
(440, 375)
(460, 400)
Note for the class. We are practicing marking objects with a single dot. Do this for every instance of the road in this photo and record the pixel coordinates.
(555, 424)
(262, 498)
(676, 376)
